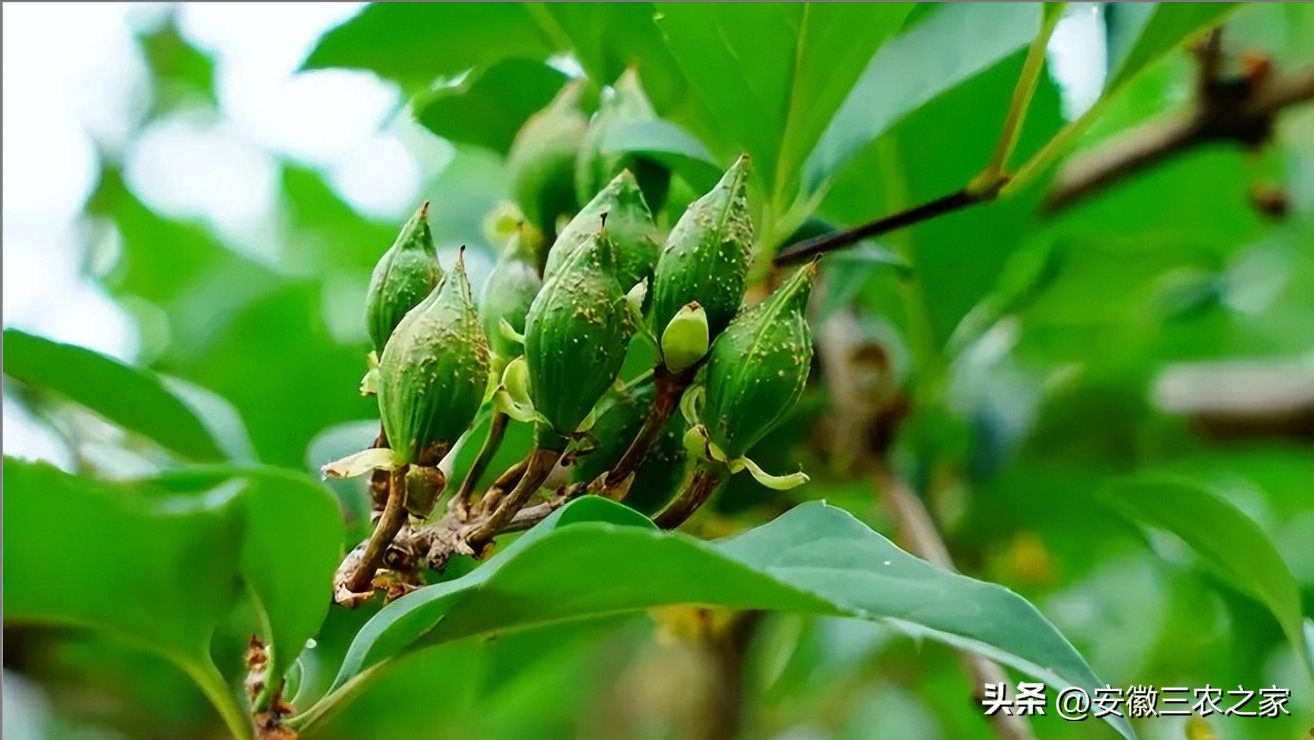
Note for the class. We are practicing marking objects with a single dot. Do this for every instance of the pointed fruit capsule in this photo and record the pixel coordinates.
(629, 225)
(576, 334)
(403, 276)
(510, 288)
(433, 373)
(705, 259)
(541, 162)
(758, 366)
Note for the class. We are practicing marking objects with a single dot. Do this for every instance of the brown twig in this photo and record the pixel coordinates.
(670, 387)
(394, 516)
(1240, 110)
(460, 503)
(923, 540)
(537, 467)
(701, 486)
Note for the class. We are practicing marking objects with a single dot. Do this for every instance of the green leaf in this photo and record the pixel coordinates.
(595, 557)
(137, 400)
(414, 44)
(288, 574)
(608, 38)
(772, 75)
(163, 570)
(668, 144)
(1142, 33)
(1228, 541)
(948, 46)
(490, 106)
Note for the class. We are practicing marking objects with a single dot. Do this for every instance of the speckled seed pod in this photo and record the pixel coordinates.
(758, 366)
(541, 163)
(629, 225)
(433, 373)
(576, 334)
(619, 419)
(594, 167)
(510, 288)
(705, 259)
(403, 276)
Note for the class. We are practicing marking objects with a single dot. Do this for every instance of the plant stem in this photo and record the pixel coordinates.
(1233, 121)
(460, 503)
(394, 516)
(830, 242)
(537, 467)
(993, 176)
(670, 387)
(704, 482)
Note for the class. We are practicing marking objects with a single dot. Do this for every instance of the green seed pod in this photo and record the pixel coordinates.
(510, 288)
(757, 368)
(433, 373)
(629, 225)
(404, 275)
(576, 334)
(705, 259)
(594, 168)
(541, 162)
(620, 417)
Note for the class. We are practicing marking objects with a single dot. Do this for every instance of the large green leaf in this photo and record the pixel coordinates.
(490, 106)
(1142, 33)
(1225, 538)
(137, 400)
(414, 44)
(607, 38)
(596, 557)
(771, 75)
(944, 49)
(162, 570)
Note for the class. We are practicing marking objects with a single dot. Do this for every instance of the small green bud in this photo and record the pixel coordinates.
(626, 105)
(403, 276)
(705, 259)
(433, 373)
(541, 162)
(620, 416)
(510, 288)
(629, 225)
(757, 368)
(685, 340)
(576, 334)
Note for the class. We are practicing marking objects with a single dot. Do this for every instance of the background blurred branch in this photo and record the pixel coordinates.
(1238, 109)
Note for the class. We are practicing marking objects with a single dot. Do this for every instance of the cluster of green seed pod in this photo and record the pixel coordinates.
(554, 324)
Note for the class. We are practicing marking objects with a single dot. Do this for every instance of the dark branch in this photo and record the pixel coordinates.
(840, 239)
(1240, 110)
